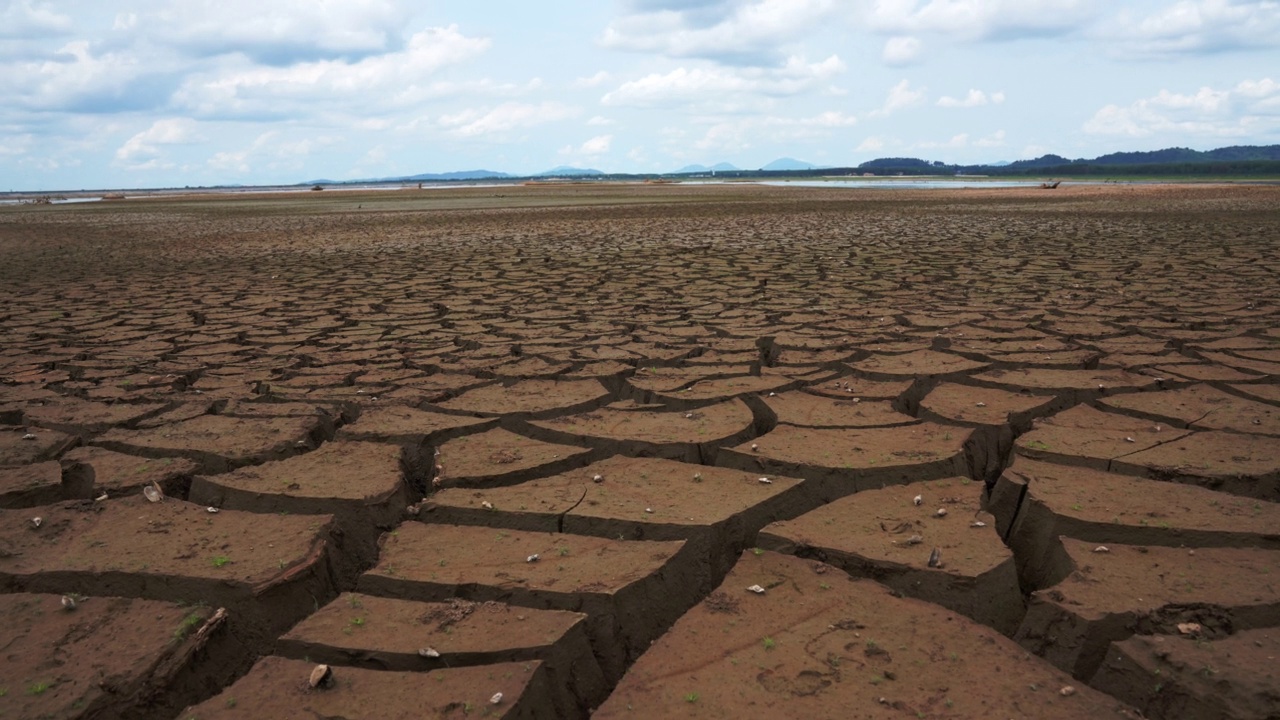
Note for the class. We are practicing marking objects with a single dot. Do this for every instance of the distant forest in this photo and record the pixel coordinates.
(1241, 160)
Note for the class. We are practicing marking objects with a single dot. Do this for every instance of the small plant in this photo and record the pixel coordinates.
(563, 551)
(691, 697)
(221, 560)
(354, 602)
(769, 644)
(757, 551)
(185, 627)
(824, 586)
(39, 688)
(357, 621)
(231, 702)
(1077, 507)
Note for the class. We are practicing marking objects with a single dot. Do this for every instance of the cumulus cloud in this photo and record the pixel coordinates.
(871, 144)
(747, 32)
(901, 50)
(901, 96)
(1251, 107)
(505, 117)
(975, 98)
(591, 81)
(375, 82)
(598, 145)
(712, 84)
(270, 151)
(1197, 26)
(981, 20)
(24, 19)
(75, 78)
(280, 32)
(144, 150)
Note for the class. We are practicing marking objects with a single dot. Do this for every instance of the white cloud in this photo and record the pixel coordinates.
(363, 86)
(271, 151)
(75, 78)
(24, 19)
(900, 50)
(599, 120)
(592, 81)
(957, 141)
(142, 151)
(871, 144)
(713, 85)
(598, 145)
(1252, 107)
(995, 139)
(982, 20)
(1197, 26)
(748, 32)
(900, 96)
(505, 117)
(975, 98)
(280, 32)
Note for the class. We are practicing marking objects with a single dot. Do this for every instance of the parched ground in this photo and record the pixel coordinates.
(643, 451)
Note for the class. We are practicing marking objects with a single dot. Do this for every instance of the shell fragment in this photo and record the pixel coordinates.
(756, 589)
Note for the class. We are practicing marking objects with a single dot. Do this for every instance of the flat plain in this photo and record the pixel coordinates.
(571, 450)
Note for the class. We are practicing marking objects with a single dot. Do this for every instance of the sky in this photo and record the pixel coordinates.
(171, 93)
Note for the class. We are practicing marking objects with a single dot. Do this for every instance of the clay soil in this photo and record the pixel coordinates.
(642, 451)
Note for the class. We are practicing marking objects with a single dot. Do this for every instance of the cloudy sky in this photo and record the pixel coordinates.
(153, 93)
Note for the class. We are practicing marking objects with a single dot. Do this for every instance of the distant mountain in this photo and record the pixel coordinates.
(718, 167)
(566, 171)
(896, 163)
(458, 175)
(1042, 161)
(787, 163)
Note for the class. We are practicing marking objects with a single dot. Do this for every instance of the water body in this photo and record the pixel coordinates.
(886, 184)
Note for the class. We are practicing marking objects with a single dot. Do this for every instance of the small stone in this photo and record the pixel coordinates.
(756, 589)
(982, 404)
(29, 436)
(597, 478)
(942, 512)
(36, 522)
(321, 677)
(754, 447)
(1067, 691)
(532, 558)
(68, 602)
(211, 510)
(765, 481)
(486, 505)
(101, 497)
(977, 523)
(1129, 439)
(1189, 628)
(496, 699)
(428, 652)
(918, 500)
(915, 540)
(649, 510)
(935, 558)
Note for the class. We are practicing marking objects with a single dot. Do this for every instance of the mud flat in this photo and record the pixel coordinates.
(367, 412)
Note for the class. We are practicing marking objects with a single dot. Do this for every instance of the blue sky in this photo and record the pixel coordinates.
(153, 93)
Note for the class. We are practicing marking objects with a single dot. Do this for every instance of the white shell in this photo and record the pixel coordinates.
(918, 500)
(532, 558)
(1067, 691)
(1102, 549)
(765, 481)
(982, 404)
(211, 510)
(36, 522)
(754, 446)
(756, 589)
(29, 436)
(101, 497)
(649, 510)
(1189, 628)
(486, 505)
(1129, 439)
(321, 676)
(942, 512)
(68, 602)
(597, 478)
(497, 698)
(429, 652)
(977, 523)
(915, 540)
(153, 492)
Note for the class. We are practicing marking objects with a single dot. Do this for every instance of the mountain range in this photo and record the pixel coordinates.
(1168, 157)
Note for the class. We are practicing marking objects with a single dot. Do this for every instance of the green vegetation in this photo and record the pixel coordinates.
(769, 644)
(221, 560)
(691, 697)
(39, 688)
(190, 621)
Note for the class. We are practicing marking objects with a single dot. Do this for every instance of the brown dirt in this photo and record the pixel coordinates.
(403, 358)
